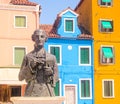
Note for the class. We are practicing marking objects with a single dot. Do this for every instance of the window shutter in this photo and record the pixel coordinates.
(19, 54)
(84, 55)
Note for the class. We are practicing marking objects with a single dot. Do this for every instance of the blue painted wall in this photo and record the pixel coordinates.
(60, 30)
(70, 71)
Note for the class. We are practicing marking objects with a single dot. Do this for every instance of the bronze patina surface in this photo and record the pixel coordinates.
(39, 68)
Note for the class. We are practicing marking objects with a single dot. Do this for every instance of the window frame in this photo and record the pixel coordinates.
(20, 26)
(65, 25)
(80, 64)
(105, 4)
(60, 63)
(106, 30)
(14, 52)
(90, 88)
(107, 59)
(112, 88)
(13, 87)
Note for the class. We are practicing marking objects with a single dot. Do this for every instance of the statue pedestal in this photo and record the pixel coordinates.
(38, 100)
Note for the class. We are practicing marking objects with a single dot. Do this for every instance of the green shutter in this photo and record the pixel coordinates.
(20, 21)
(84, 55)
(19, 54)
(106, 1)
(107, 51)
(87, 88)
(69, 25)
(82, 88)
(110, 89)
(56, 89)
(55, 51)
(106, 24)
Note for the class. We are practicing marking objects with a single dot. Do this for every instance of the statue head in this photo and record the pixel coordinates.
(39, 37)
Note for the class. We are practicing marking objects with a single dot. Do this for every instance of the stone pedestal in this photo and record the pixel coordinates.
(38, 100)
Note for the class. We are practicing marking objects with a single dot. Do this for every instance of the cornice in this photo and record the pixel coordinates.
(19, 7)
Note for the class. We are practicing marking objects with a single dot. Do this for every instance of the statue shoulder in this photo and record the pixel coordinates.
(49, 55)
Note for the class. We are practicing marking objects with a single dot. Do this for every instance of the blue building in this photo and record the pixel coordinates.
(73, 47)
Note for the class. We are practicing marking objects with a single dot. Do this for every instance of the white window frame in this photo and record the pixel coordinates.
(14, 52)
(60, 52)
(20, 16)
(73, 25)
(106, 59)
(106, 5)
(112, 87)
(107, 30)
(90, 88)
(79, 56)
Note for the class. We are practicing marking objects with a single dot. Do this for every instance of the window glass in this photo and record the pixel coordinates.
(20, 21)
(15, 91)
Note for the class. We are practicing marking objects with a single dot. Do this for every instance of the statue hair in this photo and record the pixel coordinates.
(37, 32)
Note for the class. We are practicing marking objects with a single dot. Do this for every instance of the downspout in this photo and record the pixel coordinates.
(37, 14)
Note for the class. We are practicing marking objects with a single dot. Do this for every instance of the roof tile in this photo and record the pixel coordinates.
(51, 32)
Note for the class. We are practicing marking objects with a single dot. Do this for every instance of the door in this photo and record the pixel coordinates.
(70, 94)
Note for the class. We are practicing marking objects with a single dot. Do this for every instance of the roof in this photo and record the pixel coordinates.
(60, 14)
(66, 10)
(78, 5)
(23, 2)
(51, 32)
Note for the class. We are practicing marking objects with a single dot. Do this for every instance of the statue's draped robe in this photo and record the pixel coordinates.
(37, 84)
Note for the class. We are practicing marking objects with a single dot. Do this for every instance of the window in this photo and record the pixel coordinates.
(56, 50)
(84, 55)
(15, 91)
(20, 21)
(85, 89)
(108, 88)
(107, 55)
(57, 88)
(69, 25)
(105, 2)
(18, 55)
(106, 26)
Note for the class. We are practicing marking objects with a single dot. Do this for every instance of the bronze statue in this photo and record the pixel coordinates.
(39, 68)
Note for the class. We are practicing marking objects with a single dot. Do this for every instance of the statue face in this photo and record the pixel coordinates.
(40, 39)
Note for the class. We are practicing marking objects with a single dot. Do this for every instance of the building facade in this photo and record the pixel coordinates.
(18, 21)
(101, 18)
(73, 50)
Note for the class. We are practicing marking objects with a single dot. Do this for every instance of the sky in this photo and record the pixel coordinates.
(50, 8)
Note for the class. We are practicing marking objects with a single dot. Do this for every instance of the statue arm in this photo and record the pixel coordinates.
(23, 69)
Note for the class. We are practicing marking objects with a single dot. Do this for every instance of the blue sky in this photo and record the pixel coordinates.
(50, 8)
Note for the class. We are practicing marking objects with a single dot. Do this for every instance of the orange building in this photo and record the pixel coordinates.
(102, 19)
(18, 20)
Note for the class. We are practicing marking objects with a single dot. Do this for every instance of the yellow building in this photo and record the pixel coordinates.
(18, 20)
(102, 19)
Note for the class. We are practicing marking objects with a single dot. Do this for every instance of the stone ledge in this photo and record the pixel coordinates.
(38, 100)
